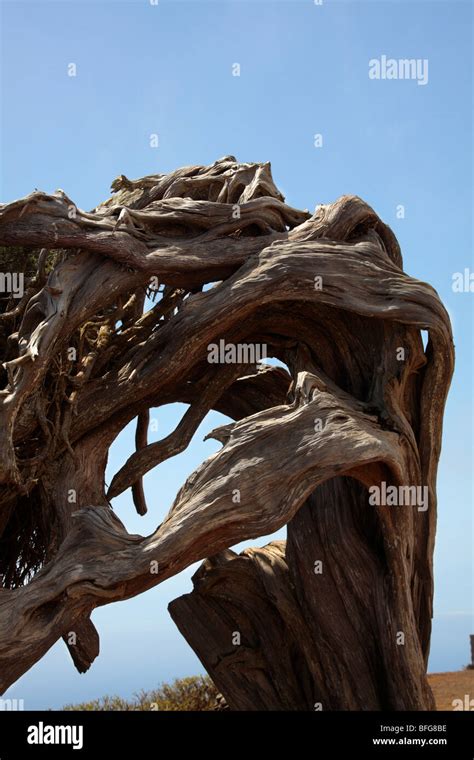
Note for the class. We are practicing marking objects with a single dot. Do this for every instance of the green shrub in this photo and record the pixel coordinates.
(193, 693)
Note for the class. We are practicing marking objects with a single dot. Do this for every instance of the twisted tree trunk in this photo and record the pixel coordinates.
(339, 617)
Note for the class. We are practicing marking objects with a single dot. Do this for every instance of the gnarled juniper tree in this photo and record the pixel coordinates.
(339, 615)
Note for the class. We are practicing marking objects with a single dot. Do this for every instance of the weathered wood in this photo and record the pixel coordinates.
(327, 295)
(316, 619)
(246, 626)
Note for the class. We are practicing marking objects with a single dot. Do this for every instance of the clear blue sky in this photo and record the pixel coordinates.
(167, 69)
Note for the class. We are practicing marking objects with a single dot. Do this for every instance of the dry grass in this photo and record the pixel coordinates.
(449, 686)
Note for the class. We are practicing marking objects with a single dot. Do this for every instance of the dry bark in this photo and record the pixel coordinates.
(328, 639)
